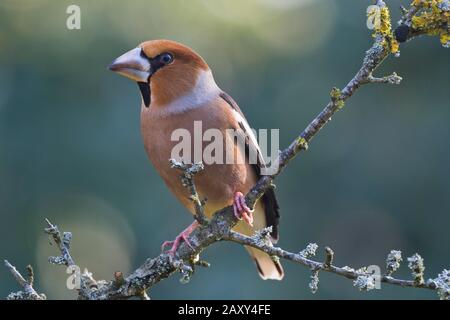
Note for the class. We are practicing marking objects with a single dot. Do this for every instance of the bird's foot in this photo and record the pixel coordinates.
(241, 210)
(183, 236)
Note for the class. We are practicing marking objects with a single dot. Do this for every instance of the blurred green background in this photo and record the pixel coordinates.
(376, 179)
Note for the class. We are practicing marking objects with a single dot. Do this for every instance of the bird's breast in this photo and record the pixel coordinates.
(218, 181)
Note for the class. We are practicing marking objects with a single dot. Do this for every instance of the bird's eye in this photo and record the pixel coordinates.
(166, 58)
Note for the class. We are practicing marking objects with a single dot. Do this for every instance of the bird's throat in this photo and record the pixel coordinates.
(144, 87)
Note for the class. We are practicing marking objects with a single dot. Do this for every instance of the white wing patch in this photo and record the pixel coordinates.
(249, 132)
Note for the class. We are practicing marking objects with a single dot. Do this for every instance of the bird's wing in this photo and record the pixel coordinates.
(272, 210)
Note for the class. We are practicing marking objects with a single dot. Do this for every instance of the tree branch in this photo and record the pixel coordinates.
(187, 180)
(28, 292)
(219, 228)
(327, 266)
(63, 243)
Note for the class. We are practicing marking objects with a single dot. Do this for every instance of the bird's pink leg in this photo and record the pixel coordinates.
(183, 236)
(241, 210)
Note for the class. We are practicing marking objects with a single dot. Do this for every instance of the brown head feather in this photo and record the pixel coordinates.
(179, 77)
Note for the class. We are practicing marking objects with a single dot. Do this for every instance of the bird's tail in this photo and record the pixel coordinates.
(267, 267)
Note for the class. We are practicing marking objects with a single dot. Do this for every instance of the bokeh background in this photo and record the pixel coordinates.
(376, 179)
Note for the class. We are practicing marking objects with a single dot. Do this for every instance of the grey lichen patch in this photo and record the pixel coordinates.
(309, 251)
(22, 295)
(394, 78)
(415, 263)
(263, 236)
(67, 237)
(314, 283)
(364, 283)
(442, 284)
(186, 271)
(393, 261)
(58, 260)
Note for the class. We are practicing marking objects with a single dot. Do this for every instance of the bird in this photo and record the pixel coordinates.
(178, 90)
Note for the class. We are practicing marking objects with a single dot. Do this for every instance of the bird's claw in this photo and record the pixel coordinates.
(183, 236)
(241, 210)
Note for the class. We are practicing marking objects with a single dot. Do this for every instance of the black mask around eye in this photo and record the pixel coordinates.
(156, 63)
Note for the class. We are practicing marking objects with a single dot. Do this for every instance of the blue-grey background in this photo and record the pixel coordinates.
(375, 179)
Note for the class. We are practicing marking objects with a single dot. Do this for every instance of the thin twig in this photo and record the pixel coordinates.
(394, 78)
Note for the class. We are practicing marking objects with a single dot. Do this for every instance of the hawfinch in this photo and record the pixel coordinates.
(178, 89)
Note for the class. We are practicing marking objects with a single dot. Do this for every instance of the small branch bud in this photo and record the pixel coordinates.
(329, 256)
(30, 272)
(202, 263)
(119, 280)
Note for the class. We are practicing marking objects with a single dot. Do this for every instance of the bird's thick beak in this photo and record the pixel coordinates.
(132, 64)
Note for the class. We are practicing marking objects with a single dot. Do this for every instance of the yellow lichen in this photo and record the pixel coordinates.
(418, 22)
(335, 95)
(432, 19)
(384, 28)
(385, 21)
(395, 46)
(302, 143)
(445, 39)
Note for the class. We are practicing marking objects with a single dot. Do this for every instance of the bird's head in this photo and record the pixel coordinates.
(164, 70)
